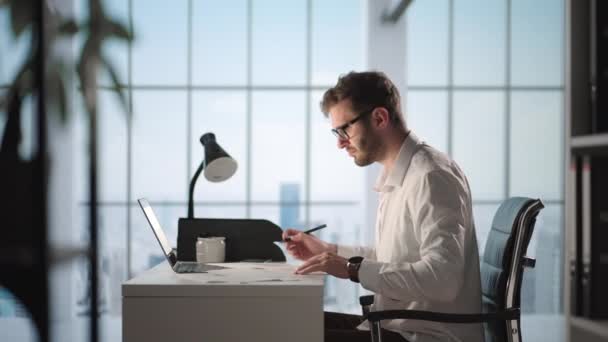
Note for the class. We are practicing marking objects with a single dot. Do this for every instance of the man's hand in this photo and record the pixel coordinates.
(304, 246)
(327, 262)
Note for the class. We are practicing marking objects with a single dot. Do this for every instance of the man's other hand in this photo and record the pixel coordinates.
(327, 262)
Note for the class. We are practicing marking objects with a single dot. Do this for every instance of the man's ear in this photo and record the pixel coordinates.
(380, 117)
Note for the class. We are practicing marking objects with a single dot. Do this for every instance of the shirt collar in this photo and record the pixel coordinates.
(389, 179)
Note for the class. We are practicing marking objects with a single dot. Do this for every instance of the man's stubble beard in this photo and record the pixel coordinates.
(369, 147)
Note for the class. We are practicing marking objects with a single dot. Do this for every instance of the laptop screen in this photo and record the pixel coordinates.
(156, 228)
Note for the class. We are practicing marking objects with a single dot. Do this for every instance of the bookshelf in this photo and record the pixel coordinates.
(589, 144)
(596, 327)
(582, 141)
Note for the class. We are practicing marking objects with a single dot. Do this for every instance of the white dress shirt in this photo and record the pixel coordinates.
(425, 255)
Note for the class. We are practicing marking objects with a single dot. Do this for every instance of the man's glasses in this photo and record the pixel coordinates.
(340, 131)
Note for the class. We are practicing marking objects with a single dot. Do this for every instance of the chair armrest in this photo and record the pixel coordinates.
(366, 304)
(505, 315)
(366, 300)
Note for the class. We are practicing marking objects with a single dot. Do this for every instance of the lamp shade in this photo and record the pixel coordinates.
(219, 165)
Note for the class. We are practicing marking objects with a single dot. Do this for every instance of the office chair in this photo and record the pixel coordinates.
(501, 277)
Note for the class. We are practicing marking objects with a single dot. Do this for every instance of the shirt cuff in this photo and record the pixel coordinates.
(369, 272)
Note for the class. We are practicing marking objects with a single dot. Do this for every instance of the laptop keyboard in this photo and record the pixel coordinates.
(195, 267)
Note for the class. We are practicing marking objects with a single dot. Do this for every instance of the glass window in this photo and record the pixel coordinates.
(333, 56)
(219, 47)
(345, 223)
(232, 211)
(426, 114)
(427, 43)
(537, 159)
(112, 268)
(271, 213)
(542, 284)
(14, 49)
(334, 175)
(66, 298)
(344, 226)
(537, 42)
(341, 296)
(113, 49)
(479, 130)
(159, 146)
(278, 143)
(112, 257)
(283, 215)
(112, 148)
(224, 114)
(159, 49)
(279, 42)
(479, 42)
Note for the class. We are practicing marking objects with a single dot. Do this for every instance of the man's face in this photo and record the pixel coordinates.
(360, 142)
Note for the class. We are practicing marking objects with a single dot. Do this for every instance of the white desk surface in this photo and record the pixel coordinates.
(238, 279)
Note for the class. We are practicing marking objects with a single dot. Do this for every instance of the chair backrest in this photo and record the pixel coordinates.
(503, 261)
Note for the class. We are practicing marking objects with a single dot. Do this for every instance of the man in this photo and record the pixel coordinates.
(425, 255)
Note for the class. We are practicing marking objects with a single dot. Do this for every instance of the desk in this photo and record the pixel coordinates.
(247, 302)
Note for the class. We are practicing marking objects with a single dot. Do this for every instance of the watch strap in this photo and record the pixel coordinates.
(352, 267)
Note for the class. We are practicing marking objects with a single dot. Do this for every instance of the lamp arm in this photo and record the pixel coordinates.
(191, 195)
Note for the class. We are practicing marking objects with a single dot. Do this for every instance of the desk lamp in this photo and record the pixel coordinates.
(218, 166)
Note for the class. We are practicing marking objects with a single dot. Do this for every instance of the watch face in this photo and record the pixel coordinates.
(355, 259)
(353, 268)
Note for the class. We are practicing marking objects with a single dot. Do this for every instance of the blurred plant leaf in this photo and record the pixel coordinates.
(116, 83)
(119, 31)
(12, 132)
(21, 15)
(69, 28)
(87, 73)
(56, 91)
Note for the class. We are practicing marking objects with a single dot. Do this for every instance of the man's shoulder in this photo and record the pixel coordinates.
(427, 159)
(429, 164)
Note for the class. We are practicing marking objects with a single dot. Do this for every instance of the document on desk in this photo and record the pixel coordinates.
(258, 273)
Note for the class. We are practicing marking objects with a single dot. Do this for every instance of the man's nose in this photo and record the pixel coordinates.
(342, 143)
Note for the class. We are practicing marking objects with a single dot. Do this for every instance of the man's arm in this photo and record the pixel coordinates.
(332, 262)
(351, 251)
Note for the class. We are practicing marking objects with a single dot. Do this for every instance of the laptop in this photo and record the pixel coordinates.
(171, 253)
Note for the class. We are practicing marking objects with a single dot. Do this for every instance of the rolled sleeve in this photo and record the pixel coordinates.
(351, 251)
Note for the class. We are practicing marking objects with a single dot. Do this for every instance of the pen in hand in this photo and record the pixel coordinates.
(287, 239)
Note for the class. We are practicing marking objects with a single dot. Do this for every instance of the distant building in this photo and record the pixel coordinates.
(289, 205)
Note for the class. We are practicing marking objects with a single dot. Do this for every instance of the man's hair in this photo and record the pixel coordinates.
(366, 91)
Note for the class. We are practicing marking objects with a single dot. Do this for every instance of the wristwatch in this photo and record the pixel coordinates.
(352, 266)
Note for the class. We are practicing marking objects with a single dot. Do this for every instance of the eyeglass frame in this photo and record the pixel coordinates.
(342, 128)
